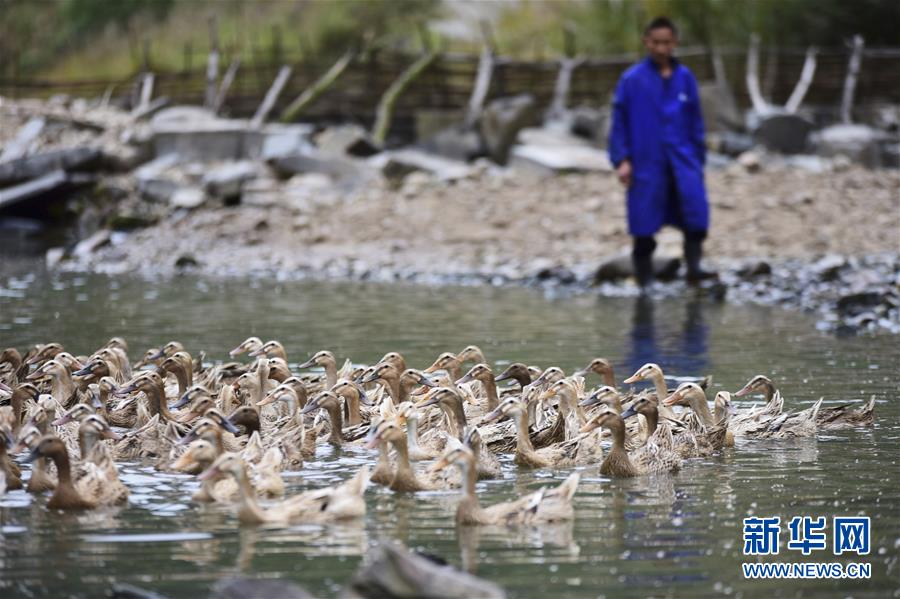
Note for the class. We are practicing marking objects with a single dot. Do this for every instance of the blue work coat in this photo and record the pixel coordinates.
(658, 126)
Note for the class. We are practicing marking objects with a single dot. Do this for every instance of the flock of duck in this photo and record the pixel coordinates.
(238, 425)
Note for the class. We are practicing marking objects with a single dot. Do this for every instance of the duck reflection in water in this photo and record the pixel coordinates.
(685, 353)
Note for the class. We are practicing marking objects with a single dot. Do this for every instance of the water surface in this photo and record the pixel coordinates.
(664, 535)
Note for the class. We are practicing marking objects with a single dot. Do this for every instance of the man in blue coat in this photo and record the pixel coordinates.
(657, 145)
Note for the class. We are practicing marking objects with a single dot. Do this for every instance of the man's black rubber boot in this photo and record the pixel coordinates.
(643, 269)
(693, 252)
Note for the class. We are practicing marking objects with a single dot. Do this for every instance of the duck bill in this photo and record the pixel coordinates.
(673, 399)
(209, 473)
(182, 401)
(236, 351)
(373, 442)
(64, 419)
(84, 371)
(427, 382)
(634, 378)
(590, 402)
(157, 355)
(5, 388)
(363, 398)
(439, 465)
(190, 436)
(36, 375)
(109, 433)
(184, 462)
(369, 378)
(267, 400)
(428, 400)
(468, 378)
(125, 391)
(492, 416)
(589, 426)
(310, 408)
(744, 391)
(629, 412)
(230, 427)
(308, 364)
(256, 353)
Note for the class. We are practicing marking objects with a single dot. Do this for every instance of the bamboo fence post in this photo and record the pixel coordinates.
(311, 93)
(385, 111)
(271, 97)
(806, 78)
(212, 64)
(850, 81)
(227, 80)
(752, 77)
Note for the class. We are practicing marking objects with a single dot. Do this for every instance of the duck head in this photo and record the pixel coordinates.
(647, 372)
(471, 353)
(319, 359)
(758, 384)
(604, 395)
(690, 392)
(480, 372)
(247, 345)
(508, 408)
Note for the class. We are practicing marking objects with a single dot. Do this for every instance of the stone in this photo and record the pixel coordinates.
(456, 143)
(828, 268)
(225, 180)
(21, 143)
(860, 143)
(83, 158)
(54, 256)
(391, 570)
(589, 123)
(620, 267)
(784, 133)
(347, 139)
(185, 261)
(128, 222)
(755, 270)
(500, 123)
(853, 304)
(187, 197)
(89, 245)
(750, 161)
(24, 191)
(398, 163)
(729, 143)
(549, 152)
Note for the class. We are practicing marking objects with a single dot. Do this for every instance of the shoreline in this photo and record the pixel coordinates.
(827, 242)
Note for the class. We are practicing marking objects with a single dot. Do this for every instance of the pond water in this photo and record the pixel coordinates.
(666, 535)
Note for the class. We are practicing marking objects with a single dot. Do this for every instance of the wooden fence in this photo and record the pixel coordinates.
(447, 84)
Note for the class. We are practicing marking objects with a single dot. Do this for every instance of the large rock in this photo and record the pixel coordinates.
(49, 183)
(550, 151)
(859, 143)
(347, 173)
(455, 143)
(784, 133)
(31, 167)
(225, 180)
(21, 143)
(501, 121)
(590, 123)
(390, 570)
(347, 139)
(397, 164)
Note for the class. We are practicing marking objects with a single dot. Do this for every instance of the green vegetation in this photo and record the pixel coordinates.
(108, 38)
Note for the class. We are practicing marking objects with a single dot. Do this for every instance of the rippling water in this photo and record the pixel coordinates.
(663, 535)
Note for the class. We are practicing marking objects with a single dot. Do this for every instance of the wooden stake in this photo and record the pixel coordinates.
(311, 93)
(806, 78)
(271, 97)
(384, 113)
(759, 104)
(212, 65)
(850, 81)
(227, 80)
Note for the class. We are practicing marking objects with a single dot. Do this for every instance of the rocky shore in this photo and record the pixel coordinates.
(823, 241)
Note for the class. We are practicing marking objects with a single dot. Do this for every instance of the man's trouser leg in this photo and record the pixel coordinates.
(693, 253)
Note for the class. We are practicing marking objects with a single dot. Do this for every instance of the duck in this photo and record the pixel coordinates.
(270, 349)
(62, 387)
(181, 366)
(250, 344)
(89, 491)
(18, 396)
(601, 367)
(558, 455)
(685, 442)
(10, 471)
(12, 367)
(97, 469)
(42, 353)
(482, 373)
(332, 504)
(42, 479)
(471, 353)
(619, 463)
(332, 405)
(325, 359)
(838, 417)
(519, 373)
(449, 363)
(542, 506)
(785, 425)
(405, 478)
(354, 396)
(653, 373)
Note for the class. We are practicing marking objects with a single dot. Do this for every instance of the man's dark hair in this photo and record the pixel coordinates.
(661, 23)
